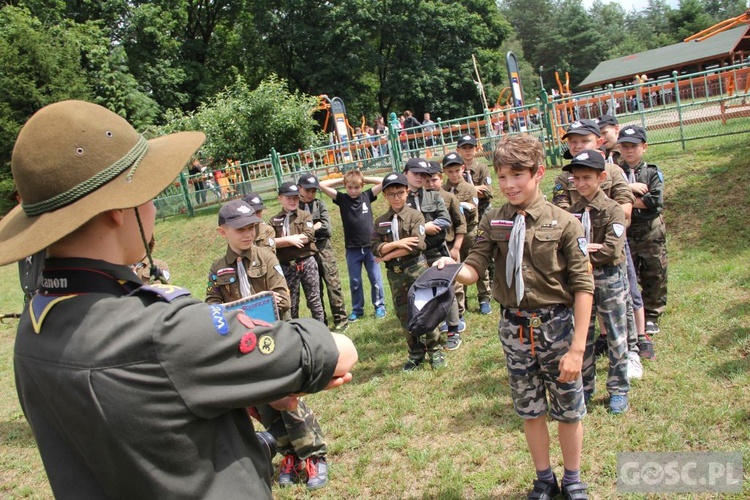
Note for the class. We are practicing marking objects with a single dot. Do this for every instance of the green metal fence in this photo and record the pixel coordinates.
(675, 109)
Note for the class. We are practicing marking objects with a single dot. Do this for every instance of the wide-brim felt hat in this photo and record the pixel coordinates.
(73, 160)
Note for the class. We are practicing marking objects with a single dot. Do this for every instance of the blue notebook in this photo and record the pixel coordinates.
(259, 306)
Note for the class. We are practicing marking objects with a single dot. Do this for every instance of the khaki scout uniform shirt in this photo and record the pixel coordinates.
(458, 222)
(466, 193)
(263, 273)
(140, 391)
(410, 223)
(265, 237)
(607, 228)
(478, 174)
(555, 265)
(615, 186)
(299, 223)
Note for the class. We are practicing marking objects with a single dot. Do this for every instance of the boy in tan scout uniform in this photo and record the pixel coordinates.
(325, 257)
(610, 129)
(454, 237)
(477, 173)
(604, 227)
(647, 235)
(266, 236)
(247, 269)
(545, 288)
(582, 135)
(398, 240)
(453, 171)
(295, 247)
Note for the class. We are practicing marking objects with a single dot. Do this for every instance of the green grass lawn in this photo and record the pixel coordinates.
(453, 433)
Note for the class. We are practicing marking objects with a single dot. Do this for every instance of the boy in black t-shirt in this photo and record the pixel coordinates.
(356, 216)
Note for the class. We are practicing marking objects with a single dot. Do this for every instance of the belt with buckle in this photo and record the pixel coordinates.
(535, 320)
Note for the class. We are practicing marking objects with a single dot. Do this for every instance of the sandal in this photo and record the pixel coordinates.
(543, 491)
(575, 491)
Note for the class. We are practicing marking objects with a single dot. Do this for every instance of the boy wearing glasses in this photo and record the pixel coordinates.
(398, 240)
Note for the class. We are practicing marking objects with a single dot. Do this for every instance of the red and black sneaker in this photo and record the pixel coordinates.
(317, 472)
(289, 470)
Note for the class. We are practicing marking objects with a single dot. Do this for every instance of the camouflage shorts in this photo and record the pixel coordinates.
(533, 377)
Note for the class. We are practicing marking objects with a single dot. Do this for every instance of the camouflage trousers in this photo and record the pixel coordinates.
(648, 245)
(306, 273)
(534, 365)
(297, 432)
(400, 283)
(610, 305)
(329, 274)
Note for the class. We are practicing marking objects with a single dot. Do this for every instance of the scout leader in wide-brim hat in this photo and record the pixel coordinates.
(74, 160)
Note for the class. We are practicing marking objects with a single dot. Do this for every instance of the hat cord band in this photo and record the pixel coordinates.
(131, 159)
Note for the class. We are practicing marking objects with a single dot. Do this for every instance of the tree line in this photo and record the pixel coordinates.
(248, 69)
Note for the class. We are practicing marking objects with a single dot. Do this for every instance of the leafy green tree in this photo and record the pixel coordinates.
(39, 65)
(689, 19)
(245, 124)
(721, 10)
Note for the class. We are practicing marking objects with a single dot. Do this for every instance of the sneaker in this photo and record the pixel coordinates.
(341, 327)
(317, 472)
(443, 327)
(618, 404)
(646, 348)
(484, 308)
(289, 470)
(437, 360)
(652, 328)
(412, 364)
(461, 326)
(544, 491)
(575, 491)
(600, 346)
(354, 317)
(380, 312)
(453, 342)
(635, 368)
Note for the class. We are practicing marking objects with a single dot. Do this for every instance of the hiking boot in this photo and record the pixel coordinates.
(453, 342)
(600, 346)
(485, 308)
(412, 364)
(618, 404)
(354, 317)
(380, 312)
(437, 360)
(289, 470)
(317, 472)
(646, 348)
(461, 326)
(652, 328)
(544, 491)
(635, 368)
(575, 491)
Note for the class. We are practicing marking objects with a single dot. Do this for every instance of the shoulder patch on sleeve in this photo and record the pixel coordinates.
(582, 246)
(660, 174)
(217, 318)
(278, 269)
(489, 180)
(421, 230)
(618, 229)
(166, 292)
